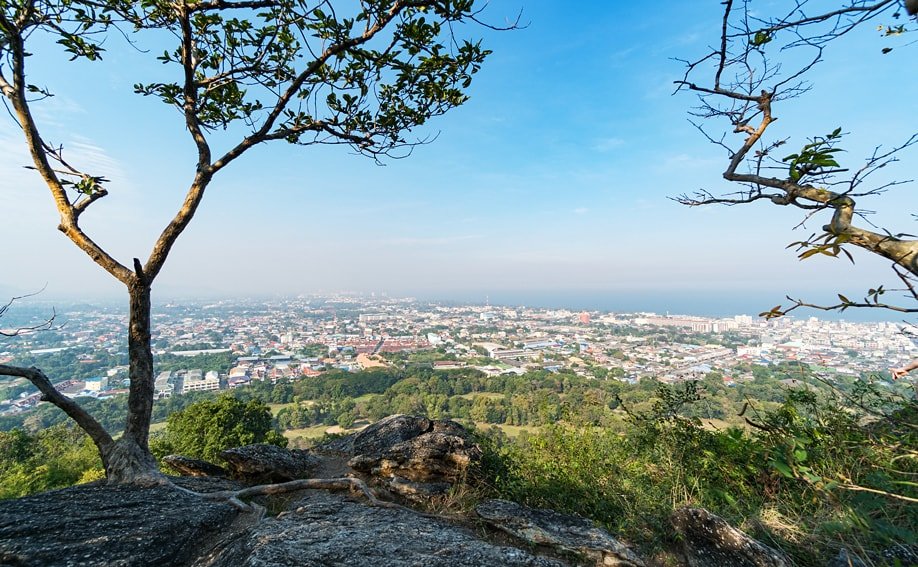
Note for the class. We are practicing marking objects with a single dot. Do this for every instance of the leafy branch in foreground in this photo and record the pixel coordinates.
(239, 74)
(761, 63)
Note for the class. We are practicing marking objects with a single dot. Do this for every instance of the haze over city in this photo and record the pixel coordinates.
(553, 181)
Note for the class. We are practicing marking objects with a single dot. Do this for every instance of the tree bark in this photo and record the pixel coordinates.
(140, 398)
(129, 460)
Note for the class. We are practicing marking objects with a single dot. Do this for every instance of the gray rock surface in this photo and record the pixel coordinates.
(264, 463)
(431, 457)
(846, 559)
(560, 531)
(327, 529)
(413, 456)
(900, 554)
(417, 491)
(186, 466)
(709, 541)
(110, 527)
(377, 438)
(418, 450)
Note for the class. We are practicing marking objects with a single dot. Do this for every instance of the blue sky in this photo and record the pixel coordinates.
(554, 177)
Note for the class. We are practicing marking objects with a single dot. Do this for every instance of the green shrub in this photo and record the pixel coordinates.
(204, 429)
(820, 472)
(57, 457)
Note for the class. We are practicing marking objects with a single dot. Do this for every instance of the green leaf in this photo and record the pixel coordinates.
(782, 468)
(761, 38)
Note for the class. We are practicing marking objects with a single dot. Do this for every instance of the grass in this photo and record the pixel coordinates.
(313, 432)
(276, 408)
(511, 431)
(316, 431)
(489, 395)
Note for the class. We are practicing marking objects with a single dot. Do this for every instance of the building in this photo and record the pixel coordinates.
(163, 385)
(96, 384)
(196, 382)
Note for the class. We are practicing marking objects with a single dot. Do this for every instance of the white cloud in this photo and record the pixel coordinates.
(86, 155)
(581, 210)
(53, 112)
(604, 145)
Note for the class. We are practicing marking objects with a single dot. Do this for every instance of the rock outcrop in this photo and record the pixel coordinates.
(112, 526)
(327, 529)
(900, 554)
(96, 525)
(709, 541)
(263, 463)
(186, 466)
(562, 532)
(412, 456)
(388, 431)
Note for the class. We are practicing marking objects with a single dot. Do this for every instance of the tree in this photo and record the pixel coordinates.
(363, 74)
(55, 457)
(204, 429)
(753, 70)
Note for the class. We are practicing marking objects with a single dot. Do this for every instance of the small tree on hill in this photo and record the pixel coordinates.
(761, 62)
(360, 73)
(204, 429)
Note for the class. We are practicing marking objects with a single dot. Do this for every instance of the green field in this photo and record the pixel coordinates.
(489, 395)
(276, 408)
(511, 431)
(313, 432)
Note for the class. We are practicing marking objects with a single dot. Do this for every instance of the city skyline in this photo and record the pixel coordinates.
(554, 178)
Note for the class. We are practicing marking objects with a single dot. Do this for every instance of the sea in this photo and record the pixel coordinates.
(704, 303)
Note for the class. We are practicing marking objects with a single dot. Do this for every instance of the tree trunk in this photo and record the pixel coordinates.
(128, 463)
(130, 460)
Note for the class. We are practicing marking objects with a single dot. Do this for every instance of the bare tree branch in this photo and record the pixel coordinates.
(44, 325)
(15, 92)
(50, 394)
(744, 88)
(235, 497)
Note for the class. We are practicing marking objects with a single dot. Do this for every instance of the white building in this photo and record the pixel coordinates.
(196, 382)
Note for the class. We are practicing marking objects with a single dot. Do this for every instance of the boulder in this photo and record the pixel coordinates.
(375, 439)
(846, 559)
(415, 448)
(709, 541)
(262, 463)
(568, 534)
(186, 466)
(414, 456)
(417, 491)
(97, 525)
(431, 457)
(328, 530)
(899, 554)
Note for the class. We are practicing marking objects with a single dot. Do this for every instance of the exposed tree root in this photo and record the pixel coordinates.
(235, 497)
